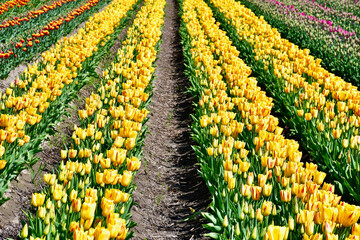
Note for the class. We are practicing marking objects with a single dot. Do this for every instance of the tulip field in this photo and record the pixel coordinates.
(274, 125)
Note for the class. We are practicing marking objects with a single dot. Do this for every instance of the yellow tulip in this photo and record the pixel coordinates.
(256, 192)
(37, 199)
(73, 194)
(126, 178)
(319, 177)
(348, 214)
(99, 178)
(41, 212)
(267, 190)
(105, 163)
(63, 154)
(133, 164)
(107, 206)
(72, 153)
(275, 233)
(109, 176)
(76, 205)
(2, 164)
(285, 195)
(130, 143)
(244, 166)
(58, 191)
(74, 226)
(266, 208)
(102, 234)
(88, 208)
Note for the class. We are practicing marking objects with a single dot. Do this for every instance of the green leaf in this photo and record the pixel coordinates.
(212, 235)
(339, 185)
(212, 227)
(209, 217)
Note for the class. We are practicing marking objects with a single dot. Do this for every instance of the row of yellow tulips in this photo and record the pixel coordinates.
(260, 187)
(323, 109)
(34, 103)
(90, 197)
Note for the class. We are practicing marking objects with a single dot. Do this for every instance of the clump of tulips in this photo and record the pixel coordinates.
(31, 38)
(36, 36)
(322, 108)
(12, 3)
(332, 36)
(90, 197)
(260, 187)
(37, 99)
(32, 14)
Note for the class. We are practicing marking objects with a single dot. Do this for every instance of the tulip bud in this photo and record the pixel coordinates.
(63, 226)
(81, 184)
(237, 229)
(225, 222)
(236, 198)
(47, 219)
(122, 210)
(64, 198)
(245, 207)
(24, 231)
(48, 203)
(63, 154)
(252, 211)
(309, 228)
(47, 229)
(58, 204)
(259, 215)
(296, 209)
(254, 233)
(248, 233)
(52, 211)
(82, 194)
(291, 223)
(273, 212)
(242, 215)
(41, 212)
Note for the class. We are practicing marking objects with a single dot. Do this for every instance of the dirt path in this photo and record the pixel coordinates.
(168, 184)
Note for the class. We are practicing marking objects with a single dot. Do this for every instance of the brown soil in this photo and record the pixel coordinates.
(168, 185)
